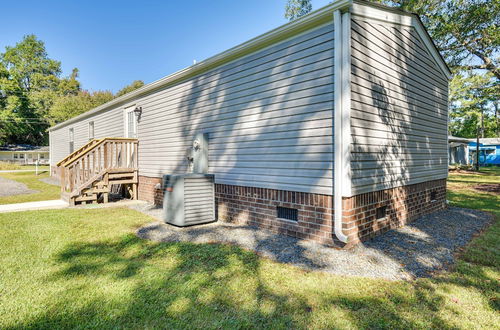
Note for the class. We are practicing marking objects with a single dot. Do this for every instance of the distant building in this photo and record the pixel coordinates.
(489, 151)
(24, 154)
(458, 150)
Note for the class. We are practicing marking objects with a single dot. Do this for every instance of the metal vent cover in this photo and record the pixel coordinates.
(287, 213)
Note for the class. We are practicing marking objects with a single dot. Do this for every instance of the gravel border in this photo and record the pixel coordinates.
(10, 188)
(416, 250)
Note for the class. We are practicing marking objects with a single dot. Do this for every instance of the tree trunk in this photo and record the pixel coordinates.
(482, 122)
(497, 120)
(477, 149)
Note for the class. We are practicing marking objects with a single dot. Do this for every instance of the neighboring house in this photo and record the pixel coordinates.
(340, 115)
(24, 154)
(458, 150)
(489, 151)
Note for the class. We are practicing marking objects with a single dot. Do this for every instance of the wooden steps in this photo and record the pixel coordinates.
(90, 174)
(100, 188)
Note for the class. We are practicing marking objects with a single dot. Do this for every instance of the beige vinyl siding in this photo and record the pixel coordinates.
(106, 124)
(398, 109)
(269, 116)
(59, 144)
(6, 155)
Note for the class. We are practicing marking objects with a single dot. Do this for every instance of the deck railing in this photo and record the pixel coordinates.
(94, 159)
(75, 153)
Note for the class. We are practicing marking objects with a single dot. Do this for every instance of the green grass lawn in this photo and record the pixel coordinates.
(4, 166)
(461, 193)
(44, 190)
(81, 268)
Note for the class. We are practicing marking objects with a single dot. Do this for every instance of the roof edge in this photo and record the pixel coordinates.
(314, 18)
(287, 30)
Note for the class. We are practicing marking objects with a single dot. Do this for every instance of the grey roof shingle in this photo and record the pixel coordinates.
(24, 147)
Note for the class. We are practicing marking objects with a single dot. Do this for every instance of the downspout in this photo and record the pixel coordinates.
(342, 124)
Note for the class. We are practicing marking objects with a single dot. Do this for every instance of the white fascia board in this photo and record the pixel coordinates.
(398, 17)
(274, 36)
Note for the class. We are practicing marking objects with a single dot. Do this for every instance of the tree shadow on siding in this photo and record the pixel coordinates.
(395, 141)
(268, 126)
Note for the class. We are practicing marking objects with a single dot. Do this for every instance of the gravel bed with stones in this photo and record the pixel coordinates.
(10, 188)
(417, 250)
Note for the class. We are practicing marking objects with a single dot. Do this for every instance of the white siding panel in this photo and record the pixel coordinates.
(269, 118)
(106, 124)
(399, 109)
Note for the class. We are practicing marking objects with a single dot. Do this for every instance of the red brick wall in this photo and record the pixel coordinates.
(147, 190)
(403, 205)
(257, 207)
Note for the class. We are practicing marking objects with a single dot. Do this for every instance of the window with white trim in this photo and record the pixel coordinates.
(91, 130)
(130, 122)
(71, 140)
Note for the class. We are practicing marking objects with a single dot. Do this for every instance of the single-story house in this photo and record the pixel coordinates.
(24, 154)
(458, 150)
(332, 127)
(489, 151)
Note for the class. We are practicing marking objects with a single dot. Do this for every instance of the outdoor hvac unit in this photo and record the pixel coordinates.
(189, 199)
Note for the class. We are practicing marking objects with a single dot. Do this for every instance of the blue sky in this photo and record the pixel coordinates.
(113, 43)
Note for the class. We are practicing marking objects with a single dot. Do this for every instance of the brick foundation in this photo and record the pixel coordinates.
(257, 207)
(147, 190)
(403, 205)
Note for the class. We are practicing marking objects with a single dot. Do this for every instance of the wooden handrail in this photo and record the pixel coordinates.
(91, 147)
(74, 153)
(95, 159)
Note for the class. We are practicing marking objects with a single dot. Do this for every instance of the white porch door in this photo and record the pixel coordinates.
(130, 122)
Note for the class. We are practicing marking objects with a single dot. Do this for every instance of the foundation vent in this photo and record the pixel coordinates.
(287, 213)
(381, 212)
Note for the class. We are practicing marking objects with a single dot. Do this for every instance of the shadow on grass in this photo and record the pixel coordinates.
(195, 286)
(133, 283)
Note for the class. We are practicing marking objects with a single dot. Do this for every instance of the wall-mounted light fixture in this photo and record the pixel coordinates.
(138, 111)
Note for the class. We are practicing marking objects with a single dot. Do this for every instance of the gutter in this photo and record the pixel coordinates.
(315, 18)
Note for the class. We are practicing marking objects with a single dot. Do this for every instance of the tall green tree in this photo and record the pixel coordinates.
(474, 104)
(33, 95)
(69, 106)
(29, 83)
(297, 8)
(129, 88)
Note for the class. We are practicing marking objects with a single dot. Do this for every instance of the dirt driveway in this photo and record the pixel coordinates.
(11, 187)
